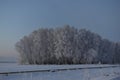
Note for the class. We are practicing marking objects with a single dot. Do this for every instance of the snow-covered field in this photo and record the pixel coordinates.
(110, 73)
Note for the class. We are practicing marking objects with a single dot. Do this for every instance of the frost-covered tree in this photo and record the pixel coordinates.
(24, 47)
(90, 56)
(117, 53)
(66, 45)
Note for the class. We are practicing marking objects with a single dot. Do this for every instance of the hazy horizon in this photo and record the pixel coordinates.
(20, 17)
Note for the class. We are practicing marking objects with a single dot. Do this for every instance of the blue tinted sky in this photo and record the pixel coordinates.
(20, 17)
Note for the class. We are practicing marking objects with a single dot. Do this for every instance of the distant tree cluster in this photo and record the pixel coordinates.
(67, 45)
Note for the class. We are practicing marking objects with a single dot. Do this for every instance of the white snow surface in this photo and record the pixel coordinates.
(18, 68)
(82, 74)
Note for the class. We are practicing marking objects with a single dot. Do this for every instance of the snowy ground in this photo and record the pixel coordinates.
(82, 74)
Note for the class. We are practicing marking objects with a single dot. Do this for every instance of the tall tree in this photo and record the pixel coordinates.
(66, 45)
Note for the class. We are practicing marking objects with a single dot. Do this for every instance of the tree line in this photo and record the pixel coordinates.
(67, 45)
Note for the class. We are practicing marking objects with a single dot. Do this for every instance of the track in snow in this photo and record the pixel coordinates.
(58, 69)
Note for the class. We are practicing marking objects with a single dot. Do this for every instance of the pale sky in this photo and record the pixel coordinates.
(20, 17)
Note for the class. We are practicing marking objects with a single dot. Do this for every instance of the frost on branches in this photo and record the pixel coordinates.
(67, 45)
